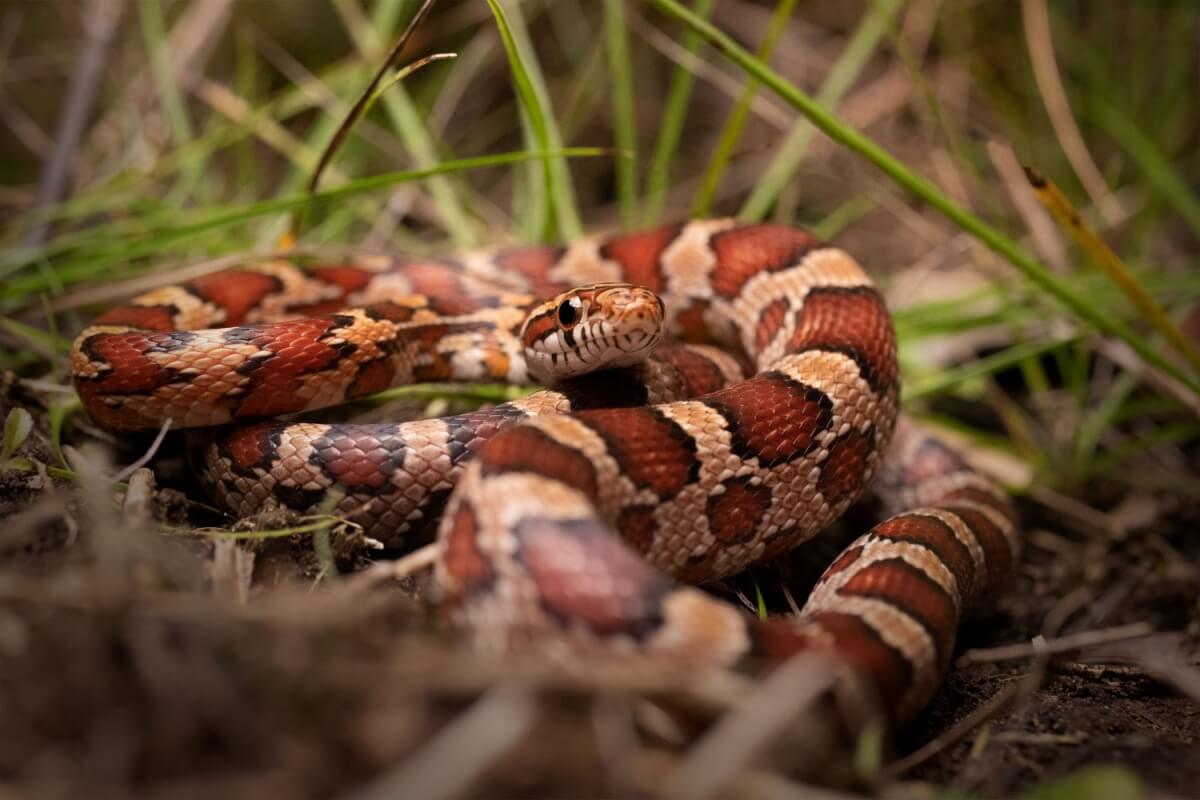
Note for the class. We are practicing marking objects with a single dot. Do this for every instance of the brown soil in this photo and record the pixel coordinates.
(128, 667)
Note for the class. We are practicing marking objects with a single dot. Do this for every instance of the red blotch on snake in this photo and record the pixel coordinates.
(149, 318)
(249, 446)
(299, 347)
(903, 586)
(640, 255)
(860, 644)
(652, 450)
(700, 375)
(733, 515)
(346, 278)
(850, 321)
(936, 536)
(471, 569)
(584, 574)
(534, 264)
(373, 376)
(637, 527)
(357, 462)
(773, 418)
(753, 250)
(996, 552)
(524, 448)
(770, 321)
(236, 291)
(442, 284)
(843, 469)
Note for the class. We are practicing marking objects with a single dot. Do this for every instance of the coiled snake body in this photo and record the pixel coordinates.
(580, 524)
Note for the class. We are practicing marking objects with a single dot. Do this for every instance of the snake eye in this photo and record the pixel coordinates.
(568, 311)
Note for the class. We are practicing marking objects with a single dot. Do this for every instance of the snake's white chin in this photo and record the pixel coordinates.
(599, 352)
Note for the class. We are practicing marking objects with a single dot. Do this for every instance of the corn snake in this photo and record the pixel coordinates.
(700, 472)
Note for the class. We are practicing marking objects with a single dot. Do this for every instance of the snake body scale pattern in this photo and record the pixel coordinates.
(697, 471)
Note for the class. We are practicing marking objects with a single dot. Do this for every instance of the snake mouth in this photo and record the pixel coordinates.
(603, 348)
(636, 340)
(591, 328)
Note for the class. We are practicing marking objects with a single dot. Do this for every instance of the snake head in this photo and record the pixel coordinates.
(592, 327)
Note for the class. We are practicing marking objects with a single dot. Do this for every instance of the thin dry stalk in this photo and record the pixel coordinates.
(1042, 230)
(732, 745)
(144, 459)
(1123, 356)
(1182, 677)
(411, 564)
(461, 751)
(995, 705)
(360, 105)
(1040, 42)
(101, 18)
(1065, 644)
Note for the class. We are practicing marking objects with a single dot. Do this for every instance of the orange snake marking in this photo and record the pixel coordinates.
(573, 512)
(586, 520)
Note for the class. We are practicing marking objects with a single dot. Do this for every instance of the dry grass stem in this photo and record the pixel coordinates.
(1066, 644)
(460, 752)
(783, 700)
(1040, 42)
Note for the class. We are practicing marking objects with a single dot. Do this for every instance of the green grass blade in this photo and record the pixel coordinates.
(150, 15)
(670, 129)
(732, 132)
(45, 342)
(624, 116)
(1157, 169)
(1101, 418)
(922, 189)
(842, 216)
(841, 77)
(403, 113)
(1175, 434)
(535, 102)
(90, 268)
(949, 378)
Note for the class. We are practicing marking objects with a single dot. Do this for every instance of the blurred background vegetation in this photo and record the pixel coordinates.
(146, 140)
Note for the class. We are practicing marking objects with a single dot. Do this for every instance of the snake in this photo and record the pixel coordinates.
(588, 511)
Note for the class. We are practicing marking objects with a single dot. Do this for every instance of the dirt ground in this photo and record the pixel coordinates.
(143, 663)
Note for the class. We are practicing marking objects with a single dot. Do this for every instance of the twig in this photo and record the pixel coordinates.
(1124, 356)
(410, 564)
(1079, 515)
(1183, 678)
(1065, 644)
(146, 456)
(137, 507)
(752, 784)
(993, 707)
(368, 93)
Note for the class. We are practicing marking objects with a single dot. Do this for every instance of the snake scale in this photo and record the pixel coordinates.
(582, 511)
